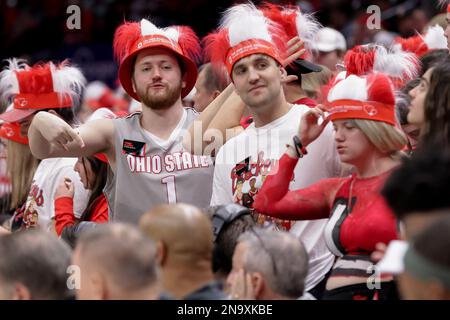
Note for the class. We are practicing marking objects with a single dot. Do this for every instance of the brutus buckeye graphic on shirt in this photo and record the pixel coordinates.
(35, 199)
(247, 178)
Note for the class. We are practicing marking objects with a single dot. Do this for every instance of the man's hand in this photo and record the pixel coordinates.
(310, 129)
(4, 231)
(65, 189)
(295, 50)
(55, 130)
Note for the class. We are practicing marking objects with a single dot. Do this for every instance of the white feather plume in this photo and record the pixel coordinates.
(68, 80)
(9, 86)
(245, 22)
(395, 63)
(442, 3)
(94, 90)
(307, 28)
(435, 38)
(148, 28)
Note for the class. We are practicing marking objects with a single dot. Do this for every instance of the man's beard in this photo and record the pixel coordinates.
(160, 101)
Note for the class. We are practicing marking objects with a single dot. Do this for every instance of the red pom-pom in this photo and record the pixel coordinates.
(359, 60)
(124, 37)
(380, 88)
(189, 43)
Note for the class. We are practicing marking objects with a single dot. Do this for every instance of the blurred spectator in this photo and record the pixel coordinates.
(402, 105)
(185, 243)
(99, 95)
(229, 222)
(116, 262)
(417, 190)
(33, 266)
(20, 166)
(432, 59)
(211, 81)
(268, 265)
(427, 264)
(313, 82)
(331, 46)
(430, 108)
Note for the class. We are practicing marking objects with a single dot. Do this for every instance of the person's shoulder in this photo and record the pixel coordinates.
(230, 145)
(299, 108)
(54, 164)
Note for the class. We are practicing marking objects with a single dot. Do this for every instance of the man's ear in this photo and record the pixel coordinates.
(215, 94)
(183, 80)
(101, 287)
(283, 72)
(133, 84)
(21, 292)
(161, 253)
(259, 285)
(53, 112)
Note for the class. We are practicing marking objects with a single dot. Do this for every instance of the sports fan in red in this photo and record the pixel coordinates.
(366, 134)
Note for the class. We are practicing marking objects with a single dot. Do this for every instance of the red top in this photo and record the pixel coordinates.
(307, 102)
(64, 212)
(349, 231)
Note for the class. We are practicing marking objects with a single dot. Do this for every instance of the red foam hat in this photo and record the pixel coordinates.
(11, 131)
(369, 97)
(244, 31)
(132, 37)
(43, 86)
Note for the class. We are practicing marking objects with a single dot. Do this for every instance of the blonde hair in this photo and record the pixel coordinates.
(313, 81)
(21, 168)
(385, 137)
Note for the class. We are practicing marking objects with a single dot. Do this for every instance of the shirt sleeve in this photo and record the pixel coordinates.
(274, 199)
(63, 213)
(221, 193)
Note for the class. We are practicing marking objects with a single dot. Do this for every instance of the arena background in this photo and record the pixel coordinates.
(37, 30)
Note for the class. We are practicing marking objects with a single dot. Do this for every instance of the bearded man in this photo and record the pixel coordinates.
(148, 163)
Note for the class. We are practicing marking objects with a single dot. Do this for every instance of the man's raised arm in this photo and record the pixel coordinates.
(50, 137)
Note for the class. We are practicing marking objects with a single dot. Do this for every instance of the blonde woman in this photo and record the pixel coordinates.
(362, 112)
(21, 166)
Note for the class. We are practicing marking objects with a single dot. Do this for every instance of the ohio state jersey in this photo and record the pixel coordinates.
(151, 171)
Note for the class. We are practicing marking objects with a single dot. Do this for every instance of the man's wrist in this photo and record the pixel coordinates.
(299, 147)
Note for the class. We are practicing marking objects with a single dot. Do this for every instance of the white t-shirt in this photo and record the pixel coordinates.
(245, 160)
(40, 206)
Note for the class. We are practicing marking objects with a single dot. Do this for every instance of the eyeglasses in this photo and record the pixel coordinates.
(272, 260)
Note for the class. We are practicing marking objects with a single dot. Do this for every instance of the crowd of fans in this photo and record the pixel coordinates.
(274, 158)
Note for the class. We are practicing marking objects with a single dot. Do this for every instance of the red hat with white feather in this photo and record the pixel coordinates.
(131, 38)
(368, 97)
(244, 30)
(11, 131)
(43, 86)
(296, 24)
(433, 39)
(400, 66)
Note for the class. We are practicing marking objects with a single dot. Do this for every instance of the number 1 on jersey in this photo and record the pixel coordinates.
(169, 181)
